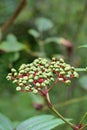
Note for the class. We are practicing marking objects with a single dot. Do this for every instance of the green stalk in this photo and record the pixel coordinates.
(46, 97)
(83, 128)
(81, 69)
(85, 115)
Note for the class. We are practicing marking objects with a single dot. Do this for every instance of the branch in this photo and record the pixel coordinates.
(81, 21)
(10, 21)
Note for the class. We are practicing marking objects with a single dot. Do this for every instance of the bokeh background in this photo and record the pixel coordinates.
(44, 28)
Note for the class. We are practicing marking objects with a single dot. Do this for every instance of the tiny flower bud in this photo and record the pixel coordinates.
(27, 88)
(43, 84)
(53, 58)
(67, 68)
(8, 77)
(35, 91)
(61, 60)
(25, 78)
(62, 73)
(52, 79)
(75, 74)
(15, 74)
(57, 69)
(46, 82)
(27, 69)
(30, 80)
(67, 82)
(22, 71)
(38, 84)
(13, 70)
(31, 76)
(36, 77)
(60, 79)
(15, 81)
(18, 88)
(24, 81)
(20, 84)
(46, 65)
(22, 66)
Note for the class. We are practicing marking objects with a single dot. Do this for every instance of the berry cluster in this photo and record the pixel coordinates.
(41, 74)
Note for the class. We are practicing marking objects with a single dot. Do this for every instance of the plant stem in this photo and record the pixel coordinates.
(84, 116)
(80, 69)
(83, 128)
(10, 21)
(56, 112)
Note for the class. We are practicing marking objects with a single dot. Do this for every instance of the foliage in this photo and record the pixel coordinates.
(44, 122)
(44, 29)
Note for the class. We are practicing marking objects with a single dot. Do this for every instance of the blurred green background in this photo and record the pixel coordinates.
(44, 28)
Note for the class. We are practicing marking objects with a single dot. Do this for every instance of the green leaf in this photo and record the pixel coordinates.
(0, 34)
(5, 123)
(43, 24)
(83, 82)
(14, 56)
(11, 44)
(43, 122)
(83, 46)
(52, 39)
(34, 33)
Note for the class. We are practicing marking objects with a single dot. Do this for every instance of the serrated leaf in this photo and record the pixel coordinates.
(83, 82)
(34, 33)
(5, 123)
(43, 122)
(43, 24)
(11, 44)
